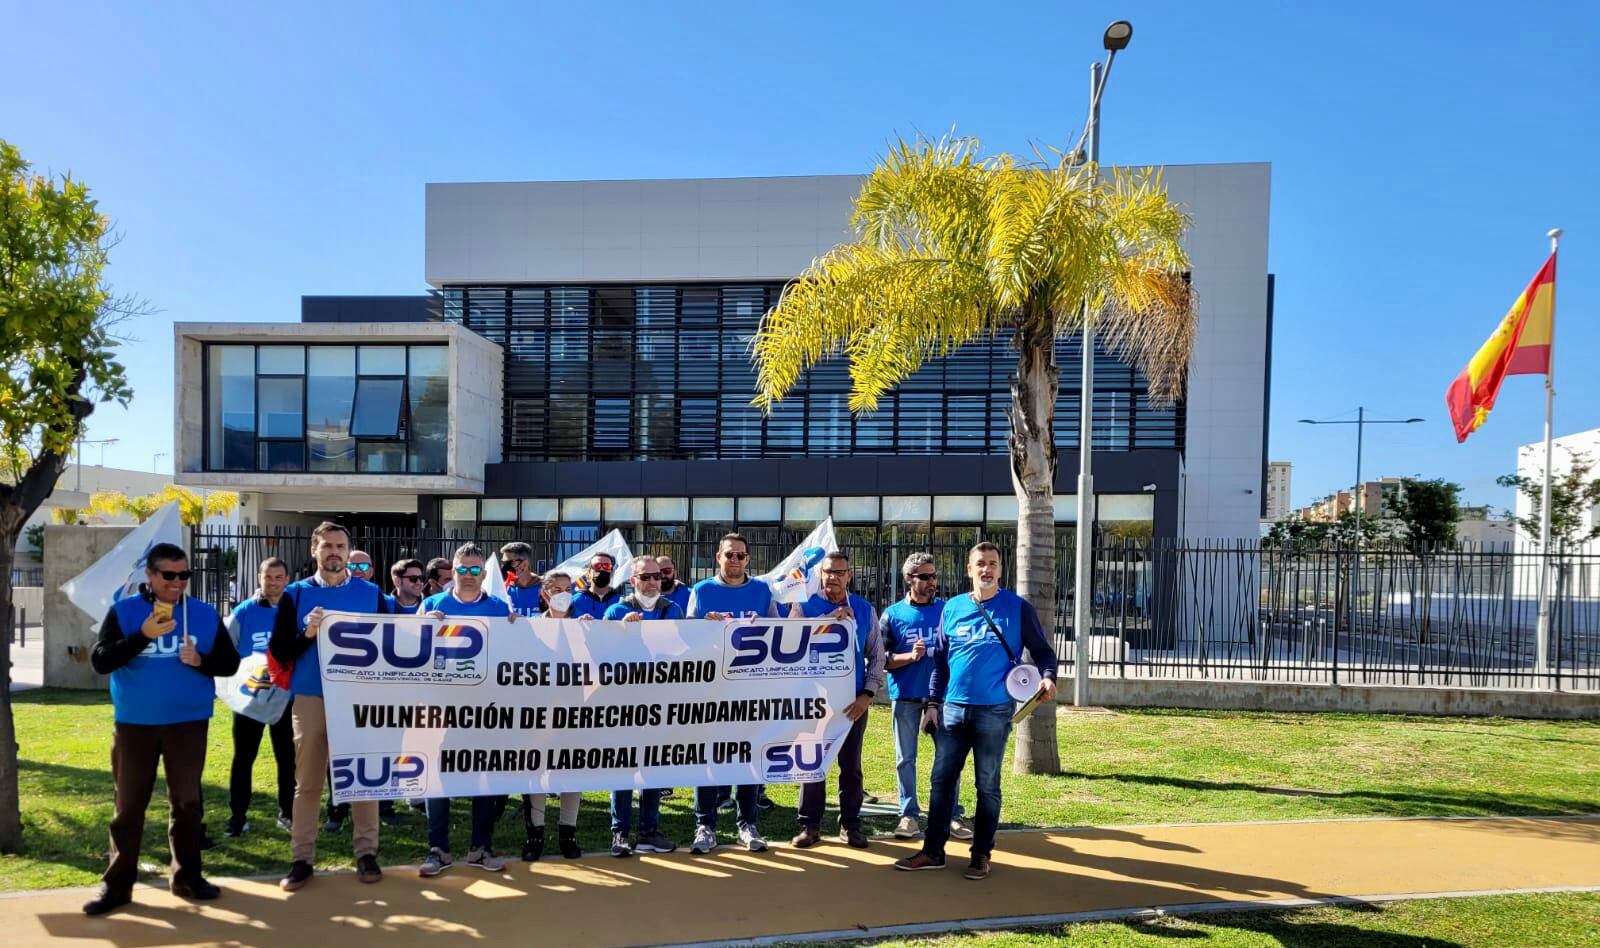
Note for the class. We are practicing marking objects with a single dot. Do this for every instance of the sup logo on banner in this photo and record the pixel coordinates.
(379, 776)
(797, 762)
(418, 653)
(787, 651)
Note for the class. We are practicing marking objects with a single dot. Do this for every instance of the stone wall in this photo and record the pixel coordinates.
(68, 632)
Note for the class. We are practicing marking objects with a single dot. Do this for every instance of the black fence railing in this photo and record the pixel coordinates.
(1188, 609)
(27, 576)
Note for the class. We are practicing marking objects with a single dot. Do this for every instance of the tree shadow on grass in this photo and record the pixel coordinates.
(1289, 928)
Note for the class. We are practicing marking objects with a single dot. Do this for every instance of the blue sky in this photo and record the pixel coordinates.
(253, 153)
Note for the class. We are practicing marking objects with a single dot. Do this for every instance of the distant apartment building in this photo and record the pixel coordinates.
(1277, 501)
(1373, 499)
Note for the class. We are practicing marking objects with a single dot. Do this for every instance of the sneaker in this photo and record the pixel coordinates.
(333, 825)
(705, 840)
(808, 837)
(534, 847)
(654, 843)
(620, 846)
(299, 874)
(959, 829)
(853, 837)
(907, 828)
(726, 804)
(978, 869)
(750, 838)
(195, 889)
(869, 798)
(235, 829)
(367, 868)
(438, 861)
(918, 861)
(567, 841)
(764, 802)
(486, 860)
(285, 824)
(109, 900)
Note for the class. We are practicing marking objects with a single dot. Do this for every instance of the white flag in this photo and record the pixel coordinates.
(799, 576)
(117, 575)
(493, 583)
(614, 546)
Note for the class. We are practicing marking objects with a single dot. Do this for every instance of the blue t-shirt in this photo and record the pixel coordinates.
(866, 622)
(251, 623)
(680, 595)
(353, 595)
(399, 609)
(751, 599)
(524, 602)
(586, 603)
(155, 687)
(664, 609)
(904, 624)
(485, 605)
(978, 662)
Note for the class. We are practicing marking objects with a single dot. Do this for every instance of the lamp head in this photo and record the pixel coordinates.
(1117, 35)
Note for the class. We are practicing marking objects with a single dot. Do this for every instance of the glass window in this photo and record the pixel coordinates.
(667, 510)
(713, 509)
(541, 510)
(759, 510)
(581, 510)
(907, 509)
(828, 424)
(855, 509)
(231, 414)
(1125, 507)
(459, 513)
(330, 397)
(1066, 508)
(377, 408)
(805, 509)
(428, 392)
(1002, 508)
(282, 360)
(624, 509)
(278, 412)
(958, 509)
(381, 457)
(500, 510)
(281, 456)
(383, 360)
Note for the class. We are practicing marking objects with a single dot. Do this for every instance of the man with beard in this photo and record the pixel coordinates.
(597, 594)
(670, 587)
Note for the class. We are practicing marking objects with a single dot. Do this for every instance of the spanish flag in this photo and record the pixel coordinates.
(1520, 345)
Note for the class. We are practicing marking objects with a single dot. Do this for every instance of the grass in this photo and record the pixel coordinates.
(1551, 920)
(1145, 766)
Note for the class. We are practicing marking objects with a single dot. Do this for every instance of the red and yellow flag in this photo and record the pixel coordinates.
(1520, 345)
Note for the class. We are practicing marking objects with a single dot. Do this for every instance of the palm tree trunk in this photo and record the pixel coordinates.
(1033, 474)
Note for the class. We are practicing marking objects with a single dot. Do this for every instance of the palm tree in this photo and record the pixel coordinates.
(953, 247)
(193, 508)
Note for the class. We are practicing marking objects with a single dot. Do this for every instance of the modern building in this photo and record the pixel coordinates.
(1278, 486)
(581, 362)
(1480, 526)
(1582, 447)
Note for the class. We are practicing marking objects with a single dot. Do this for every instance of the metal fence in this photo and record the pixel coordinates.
(27, 576)
(1167, 609)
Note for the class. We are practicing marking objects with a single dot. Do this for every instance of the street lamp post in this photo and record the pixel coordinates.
(1116, 38)
(77, 483)
(1358, 496)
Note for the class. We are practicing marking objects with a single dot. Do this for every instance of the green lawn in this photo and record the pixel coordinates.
(1128, 767)
(1549, 921)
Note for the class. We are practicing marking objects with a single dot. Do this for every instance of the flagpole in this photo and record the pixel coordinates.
(1543, 634)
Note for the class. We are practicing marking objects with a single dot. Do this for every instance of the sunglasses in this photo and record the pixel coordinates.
(735, 555)
(514, 562)
(602, 566)
(836, 572)
(361, 567)
(169, 574)
(925, 577)
(413, 578)
(647, 577)
(469, 571)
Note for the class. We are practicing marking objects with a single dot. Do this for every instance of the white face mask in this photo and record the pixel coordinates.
(561, 602)
(649, 602)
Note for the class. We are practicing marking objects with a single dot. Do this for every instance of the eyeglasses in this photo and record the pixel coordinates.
(169, 575)
(469, 571)
(647, 577)
(925, 577)
(735, 555)
(836, 572)
(361, 567)
(413, 578)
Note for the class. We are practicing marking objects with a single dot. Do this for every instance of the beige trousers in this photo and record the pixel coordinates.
(310, 772)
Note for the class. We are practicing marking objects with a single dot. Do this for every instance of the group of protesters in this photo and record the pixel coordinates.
(943, 662)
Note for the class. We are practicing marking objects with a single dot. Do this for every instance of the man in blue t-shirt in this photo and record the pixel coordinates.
(908, 626)
(522, 583)
(162, 650)
(597, 594)
(983, 635)
(670, 587)
(408, 579)
(250, 628)
(731, 593)
(294, 644)
(837, 601)
(467, 598)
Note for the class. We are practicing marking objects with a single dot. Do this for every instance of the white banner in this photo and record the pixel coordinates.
(118, 574)
(799, 576)
(472, 706)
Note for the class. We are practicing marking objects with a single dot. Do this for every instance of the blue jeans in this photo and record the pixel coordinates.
(907, 730)
(622, 811)
(980, 729)
(483, 810)
(705, 804)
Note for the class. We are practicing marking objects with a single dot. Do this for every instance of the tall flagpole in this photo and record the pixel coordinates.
(1543, 645)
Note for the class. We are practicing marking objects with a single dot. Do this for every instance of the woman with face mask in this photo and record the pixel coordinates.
(559, 604)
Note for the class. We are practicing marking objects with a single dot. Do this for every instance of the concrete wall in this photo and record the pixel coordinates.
(1266, 696)
(68, 632)
(29, 599)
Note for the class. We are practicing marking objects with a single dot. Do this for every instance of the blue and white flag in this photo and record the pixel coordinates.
(799, 576)
(117, 575)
